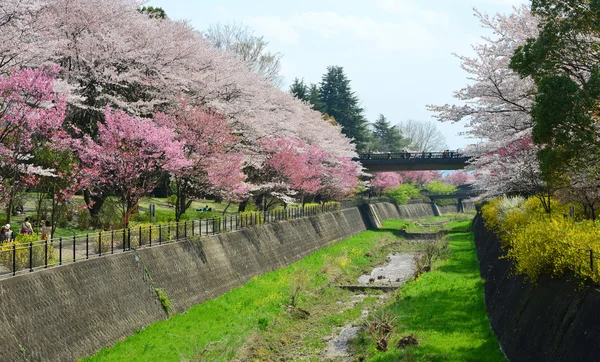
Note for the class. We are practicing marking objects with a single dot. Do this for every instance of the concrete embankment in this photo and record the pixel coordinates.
(69, 312)
(553, 320)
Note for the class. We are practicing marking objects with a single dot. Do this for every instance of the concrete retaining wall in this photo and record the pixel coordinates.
(70, 312)
(554, 320)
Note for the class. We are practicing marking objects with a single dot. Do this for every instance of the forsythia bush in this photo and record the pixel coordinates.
(539, 243)
(38, 252)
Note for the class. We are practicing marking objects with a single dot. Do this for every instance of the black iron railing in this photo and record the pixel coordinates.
(19, 257)
(409, 155)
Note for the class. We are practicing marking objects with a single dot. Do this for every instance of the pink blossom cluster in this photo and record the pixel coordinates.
(175, 104)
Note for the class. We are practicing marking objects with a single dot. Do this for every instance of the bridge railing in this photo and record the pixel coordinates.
(409, 155)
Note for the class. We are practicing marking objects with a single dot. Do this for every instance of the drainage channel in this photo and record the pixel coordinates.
(400, 268)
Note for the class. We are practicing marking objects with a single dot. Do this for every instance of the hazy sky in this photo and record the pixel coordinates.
(397, 53)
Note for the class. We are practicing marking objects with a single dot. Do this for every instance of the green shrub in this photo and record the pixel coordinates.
(404, 193)
(438, 186)
(84, 220)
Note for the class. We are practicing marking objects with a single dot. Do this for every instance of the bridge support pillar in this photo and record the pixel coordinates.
(435, 208)
(460, 206)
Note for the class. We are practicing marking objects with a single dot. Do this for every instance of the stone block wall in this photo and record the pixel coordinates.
(556, 319)
(70, 312)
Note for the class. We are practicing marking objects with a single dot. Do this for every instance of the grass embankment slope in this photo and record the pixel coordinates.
(443, 308)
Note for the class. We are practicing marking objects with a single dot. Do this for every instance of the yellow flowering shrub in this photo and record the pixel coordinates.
(540, 244)
(21, 244)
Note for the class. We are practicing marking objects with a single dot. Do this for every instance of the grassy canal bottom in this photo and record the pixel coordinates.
(294, 313)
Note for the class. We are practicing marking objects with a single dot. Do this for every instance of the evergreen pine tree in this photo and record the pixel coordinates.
(387, 138)
(314, 98)
(340, 102)
(299, 89)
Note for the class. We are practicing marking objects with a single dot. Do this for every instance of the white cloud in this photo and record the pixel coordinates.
(412, 9)
(274, 27)
(405, 35)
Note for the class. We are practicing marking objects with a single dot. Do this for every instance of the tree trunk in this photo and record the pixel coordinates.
(94, 204)
(226, 207)
(243, 205)
(9, 207)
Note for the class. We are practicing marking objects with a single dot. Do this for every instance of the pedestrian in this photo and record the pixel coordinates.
(26, 227)
(6, 235)
(46, 230)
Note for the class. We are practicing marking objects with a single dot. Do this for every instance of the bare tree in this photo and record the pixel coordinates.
(424, 136)
(240, 40)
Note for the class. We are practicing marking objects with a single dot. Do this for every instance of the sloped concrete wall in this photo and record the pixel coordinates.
(553, 320)
(387, 211)
(70, 312)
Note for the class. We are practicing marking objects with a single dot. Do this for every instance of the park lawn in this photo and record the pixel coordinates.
(445, 309)
(217, 329)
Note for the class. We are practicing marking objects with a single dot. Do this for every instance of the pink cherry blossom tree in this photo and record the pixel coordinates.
(458, 178)
(340, 179)
(214, 168)
(129, 155)
(292, 169)
(497, 106)
(111, 54)
(420, 178)
(31, 115)
(384, 181)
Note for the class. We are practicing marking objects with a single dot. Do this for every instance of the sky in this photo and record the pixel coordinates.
(398, 54)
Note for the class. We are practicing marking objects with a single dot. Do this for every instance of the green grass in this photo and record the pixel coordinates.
(216, 329)
(445, 310)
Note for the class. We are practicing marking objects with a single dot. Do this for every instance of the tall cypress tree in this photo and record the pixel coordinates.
(341, 103)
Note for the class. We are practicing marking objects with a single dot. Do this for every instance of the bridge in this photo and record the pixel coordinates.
(413, 161)
(460, 194)
(463, 192)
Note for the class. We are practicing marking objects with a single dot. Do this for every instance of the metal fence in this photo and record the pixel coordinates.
(409, 155)
(18, 257)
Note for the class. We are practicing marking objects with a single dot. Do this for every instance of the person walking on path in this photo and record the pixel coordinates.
(46, 230)
(26, 227)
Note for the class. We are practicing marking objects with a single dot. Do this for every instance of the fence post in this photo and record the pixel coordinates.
(192, 227)
(185, 229)
(214, 221)
(159, 234)
(31, 256)
(140, 236)
(87, 246)
(60, 251)
(124, 240)
(14, 258)
(45, 253)
(100, 243)
(128, 239)
(74, 258)
(150, 236)
(177, 231)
